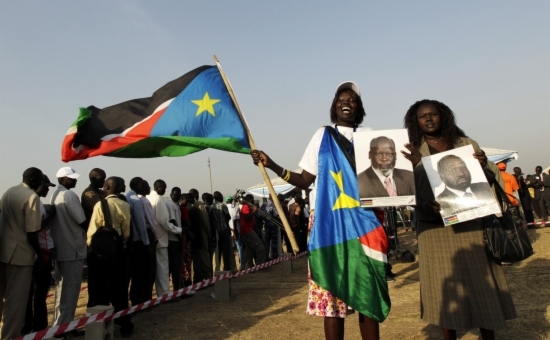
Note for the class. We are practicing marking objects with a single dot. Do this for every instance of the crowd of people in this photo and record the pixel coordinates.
(131, 242)
(135, 242)
(530, 193)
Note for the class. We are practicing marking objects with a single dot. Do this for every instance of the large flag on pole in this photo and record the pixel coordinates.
(189, 114)
(347, 245)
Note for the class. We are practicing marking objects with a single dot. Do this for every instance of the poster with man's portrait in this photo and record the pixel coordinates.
(384, 175)
(459, 185)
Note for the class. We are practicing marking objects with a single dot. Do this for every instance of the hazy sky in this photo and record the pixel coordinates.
(487, 60)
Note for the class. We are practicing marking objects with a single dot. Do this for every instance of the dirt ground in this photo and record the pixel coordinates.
(271, 305)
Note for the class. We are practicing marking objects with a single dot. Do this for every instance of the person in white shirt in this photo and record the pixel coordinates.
(68, 232)
(174, 241)
(163, 228)
(346, 112)
(234, 209)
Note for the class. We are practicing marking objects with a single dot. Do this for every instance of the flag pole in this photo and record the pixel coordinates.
(278, 206)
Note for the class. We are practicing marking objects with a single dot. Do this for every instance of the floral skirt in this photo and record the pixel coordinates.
(321, 302)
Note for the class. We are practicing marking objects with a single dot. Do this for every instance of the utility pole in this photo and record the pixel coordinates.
(210, 171)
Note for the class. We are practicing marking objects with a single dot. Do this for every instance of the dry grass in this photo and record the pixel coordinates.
(271, 305)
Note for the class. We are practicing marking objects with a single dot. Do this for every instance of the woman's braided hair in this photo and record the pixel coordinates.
(449, 130)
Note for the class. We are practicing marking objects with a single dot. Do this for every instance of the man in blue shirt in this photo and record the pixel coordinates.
(142, 251)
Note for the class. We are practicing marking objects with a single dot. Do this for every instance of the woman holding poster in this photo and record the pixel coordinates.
(343, 277)
(460, 286)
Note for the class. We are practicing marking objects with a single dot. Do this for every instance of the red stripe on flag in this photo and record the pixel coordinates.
(376, 240)
(139, 132)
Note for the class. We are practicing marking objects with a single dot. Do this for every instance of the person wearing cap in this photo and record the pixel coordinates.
(510, 184)
(36, 317)
(346, 113)
(68, 231)
(20, 221)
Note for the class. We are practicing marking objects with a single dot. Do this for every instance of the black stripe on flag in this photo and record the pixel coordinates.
(117, 118)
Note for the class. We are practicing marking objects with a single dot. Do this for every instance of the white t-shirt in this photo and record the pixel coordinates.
(310, 159)
(235, 215)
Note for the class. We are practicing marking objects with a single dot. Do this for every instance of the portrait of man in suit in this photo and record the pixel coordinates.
(460, 193)
(382, 178)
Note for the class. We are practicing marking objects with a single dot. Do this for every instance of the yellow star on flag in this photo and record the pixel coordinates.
(343, 200)
(205, 104)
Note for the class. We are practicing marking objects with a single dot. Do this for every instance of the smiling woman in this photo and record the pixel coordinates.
(329, 162)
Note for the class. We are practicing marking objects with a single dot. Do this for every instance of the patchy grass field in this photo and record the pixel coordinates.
(271, 305)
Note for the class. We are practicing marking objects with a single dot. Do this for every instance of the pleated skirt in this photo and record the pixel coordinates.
(460, 286)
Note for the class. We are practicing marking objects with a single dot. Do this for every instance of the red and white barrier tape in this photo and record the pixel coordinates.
(538, 223)
(109, 315)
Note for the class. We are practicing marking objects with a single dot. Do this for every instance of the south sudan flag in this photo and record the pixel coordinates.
(189, 114)
(347, 245)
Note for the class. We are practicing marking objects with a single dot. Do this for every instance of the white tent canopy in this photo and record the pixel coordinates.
(282, 187)
(499, 155)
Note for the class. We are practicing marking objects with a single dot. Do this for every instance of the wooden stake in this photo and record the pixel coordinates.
(280, 210)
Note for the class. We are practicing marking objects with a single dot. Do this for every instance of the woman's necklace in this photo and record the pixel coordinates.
(435, 142)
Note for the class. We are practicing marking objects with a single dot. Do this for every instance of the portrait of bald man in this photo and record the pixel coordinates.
(460, 193)
(382, 178)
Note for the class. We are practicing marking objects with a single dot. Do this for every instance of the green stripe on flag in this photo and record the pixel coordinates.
(174, 146)
(83, 115)
(368, 293)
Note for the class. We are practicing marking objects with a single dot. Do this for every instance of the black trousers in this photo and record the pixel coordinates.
(271, 240)
(139, 272)
(527, 208)
(151, 266)
(174, 263)
(287, 241)
(303, 238)
(544, 204)
(108, 283)
(212, 248)
(198, 267)
(36, 316)
(225, 248)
